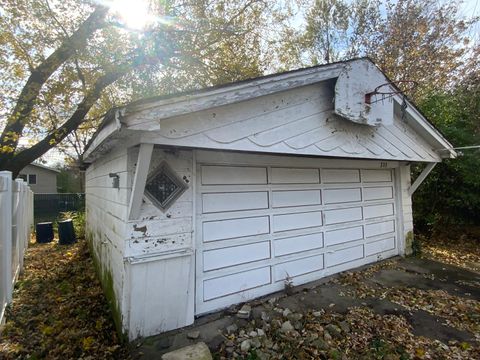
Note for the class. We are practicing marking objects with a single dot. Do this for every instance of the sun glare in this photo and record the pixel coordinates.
(134, 13)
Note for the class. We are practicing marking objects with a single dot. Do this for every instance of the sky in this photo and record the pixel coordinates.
(472, 8)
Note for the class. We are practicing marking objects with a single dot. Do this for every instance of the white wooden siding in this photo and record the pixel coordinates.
(405, 203)
(302, 222)
(106, 212)
(158, 253)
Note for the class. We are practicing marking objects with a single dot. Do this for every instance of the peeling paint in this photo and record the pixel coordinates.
(142, 229)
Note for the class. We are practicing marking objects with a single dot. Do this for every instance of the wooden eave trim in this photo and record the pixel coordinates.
(224, 96)
(428, 127)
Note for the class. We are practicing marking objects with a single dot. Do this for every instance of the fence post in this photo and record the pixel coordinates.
(21, 222)
(6, 200)
(15, 229)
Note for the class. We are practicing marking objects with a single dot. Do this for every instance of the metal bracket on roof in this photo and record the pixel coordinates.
(419, 180)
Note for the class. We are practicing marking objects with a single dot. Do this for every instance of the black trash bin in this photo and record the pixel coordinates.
(66, 232)
(44, 232)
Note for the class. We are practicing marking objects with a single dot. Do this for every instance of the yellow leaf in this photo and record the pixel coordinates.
(420, 352)
(88, 342)
(47, 330)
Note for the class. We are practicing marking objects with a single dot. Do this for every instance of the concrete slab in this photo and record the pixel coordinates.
(430, 275)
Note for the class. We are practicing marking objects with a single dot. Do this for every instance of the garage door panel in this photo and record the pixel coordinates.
(234, 283)
(344, 255)
(380, 228)
(235, 228)
(378, 193)
(296, 244)
(340, 236)
(340, 176)
(339, 216)
(376, 176)
(379, 246)
(235, 201)
(235, 255)
(235, 175)
(295, 176)
(338, 196)
(298, 267)
(284, 222)
(375, 211)
(283, 198)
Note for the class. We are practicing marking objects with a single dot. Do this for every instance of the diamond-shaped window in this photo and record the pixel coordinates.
(163, 187)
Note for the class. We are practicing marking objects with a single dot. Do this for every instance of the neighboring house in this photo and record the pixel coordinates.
(211, 198)
(40, 178)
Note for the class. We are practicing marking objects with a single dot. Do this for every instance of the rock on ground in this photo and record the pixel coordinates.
(197, 351)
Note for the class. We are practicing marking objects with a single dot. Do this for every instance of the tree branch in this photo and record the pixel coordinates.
(26, 156)
(38, 77)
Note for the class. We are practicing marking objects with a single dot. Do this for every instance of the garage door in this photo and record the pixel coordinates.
(258, 225)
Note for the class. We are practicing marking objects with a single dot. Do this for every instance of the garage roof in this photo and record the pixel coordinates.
(161, 120)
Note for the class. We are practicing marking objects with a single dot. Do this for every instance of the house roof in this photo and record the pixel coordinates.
(44, 167)
(114, 126)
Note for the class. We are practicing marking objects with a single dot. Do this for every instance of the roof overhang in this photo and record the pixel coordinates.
(45, 167)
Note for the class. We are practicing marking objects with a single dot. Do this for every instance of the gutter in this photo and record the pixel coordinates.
(111, 125)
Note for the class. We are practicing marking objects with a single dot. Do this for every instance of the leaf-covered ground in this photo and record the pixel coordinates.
(451, 248)
(359, 334)
(58, 310)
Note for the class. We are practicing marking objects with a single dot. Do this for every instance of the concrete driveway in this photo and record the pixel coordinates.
(420, 308)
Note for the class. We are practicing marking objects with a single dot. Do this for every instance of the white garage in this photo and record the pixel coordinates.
(203, 200)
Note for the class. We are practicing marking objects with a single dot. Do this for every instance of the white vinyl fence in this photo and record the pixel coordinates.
(16, 221)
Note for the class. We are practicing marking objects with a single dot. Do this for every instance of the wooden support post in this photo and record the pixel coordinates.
(418, 181)
(139, 181)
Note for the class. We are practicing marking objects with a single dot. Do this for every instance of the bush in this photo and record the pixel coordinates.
(450, 195)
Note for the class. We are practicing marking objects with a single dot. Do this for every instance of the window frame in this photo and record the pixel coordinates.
(29, 182)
